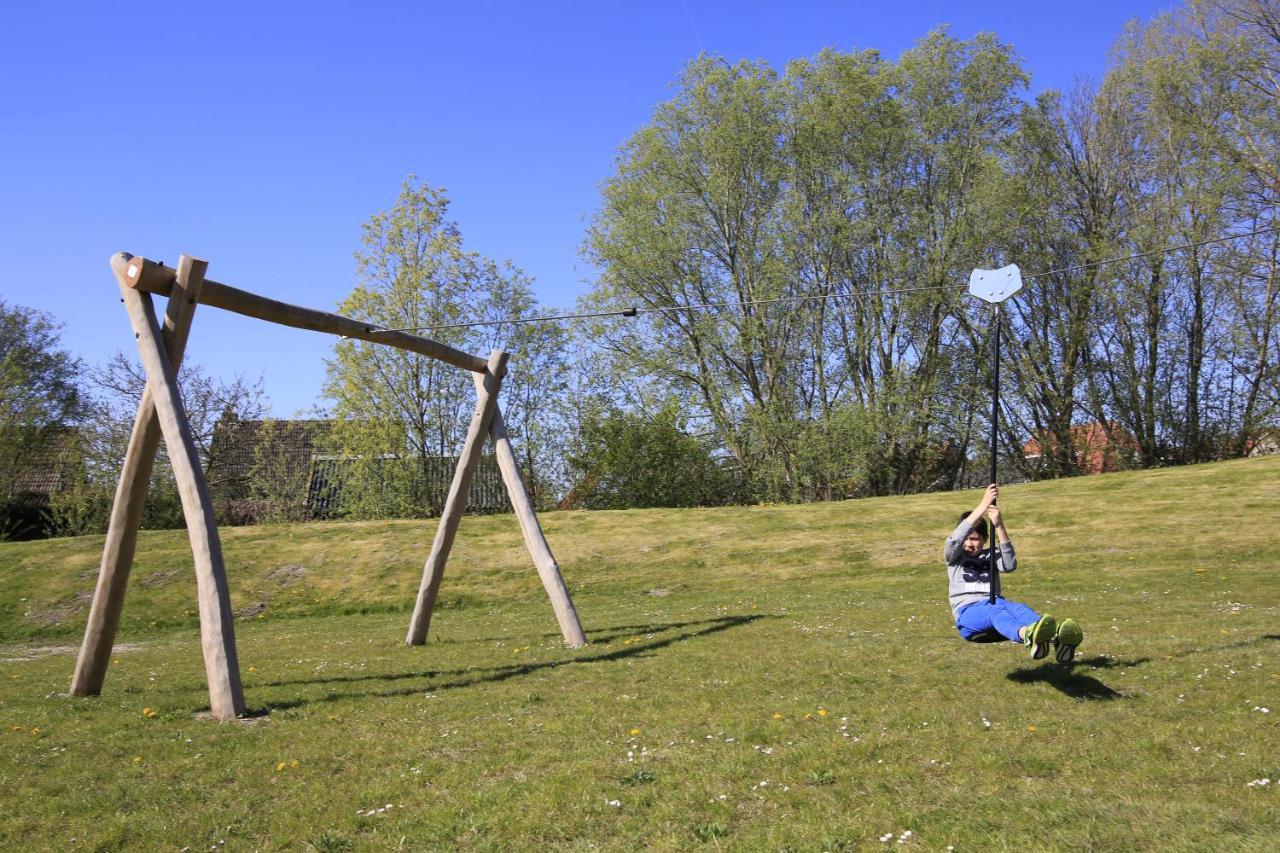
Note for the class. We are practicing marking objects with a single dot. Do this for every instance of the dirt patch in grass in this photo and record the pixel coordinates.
(17, 654)
(251, 610)
(62, 609)
(164, 577)
(287, 575)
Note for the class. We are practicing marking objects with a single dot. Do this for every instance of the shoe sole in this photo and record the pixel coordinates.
(1040, 634)
(1068, 638)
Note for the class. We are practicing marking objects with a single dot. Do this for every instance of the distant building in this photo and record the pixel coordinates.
(1266, 442)
(50, 462)
(294, 458)
(280, 452)
(1098, 448)
(38, 464)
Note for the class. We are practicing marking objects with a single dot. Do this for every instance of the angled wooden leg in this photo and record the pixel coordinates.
(456, 503)
(131, 491)
(534, 539)
(226, 696)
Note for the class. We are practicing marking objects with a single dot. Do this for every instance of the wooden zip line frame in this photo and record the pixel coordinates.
(161, 415)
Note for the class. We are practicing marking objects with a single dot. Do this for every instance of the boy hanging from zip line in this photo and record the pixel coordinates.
(977, 616)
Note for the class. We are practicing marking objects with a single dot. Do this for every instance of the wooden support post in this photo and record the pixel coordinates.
(534, 539)
(226, 696)
(456, 503)
(131, 493)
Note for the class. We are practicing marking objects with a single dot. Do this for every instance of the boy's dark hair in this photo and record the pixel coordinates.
(980, 526)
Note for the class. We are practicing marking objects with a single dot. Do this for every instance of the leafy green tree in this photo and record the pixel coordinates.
(38, 379)
(629, 459)
(690, 219)
(39, 396)
(401, 418)
(783, 229)
(1179, 333)
(1069, 164)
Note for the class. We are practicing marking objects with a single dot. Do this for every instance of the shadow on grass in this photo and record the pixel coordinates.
(469, 676)
(1079, 686)
(1105, 662)
(1068, 680)
(1223, 647)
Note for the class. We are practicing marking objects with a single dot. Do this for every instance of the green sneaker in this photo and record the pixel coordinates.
(1039, 636)
(1069, 636)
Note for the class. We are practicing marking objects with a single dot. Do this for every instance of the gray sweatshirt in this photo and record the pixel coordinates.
(968, 577)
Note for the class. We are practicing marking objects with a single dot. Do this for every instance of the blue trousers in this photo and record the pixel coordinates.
(1004, 616)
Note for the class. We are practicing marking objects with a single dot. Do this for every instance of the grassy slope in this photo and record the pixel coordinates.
(796, 682)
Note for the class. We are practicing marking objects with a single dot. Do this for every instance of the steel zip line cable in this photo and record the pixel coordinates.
(1224, 239)
(634, 310)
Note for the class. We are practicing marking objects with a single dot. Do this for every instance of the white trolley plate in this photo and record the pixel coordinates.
(995, 285)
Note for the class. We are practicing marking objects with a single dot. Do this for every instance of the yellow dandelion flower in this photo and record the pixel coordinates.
(777, 716)
(822, 712)
(148, 713)
(35, 730)
(1031, 728)
(295, 764)
(115, 660)
(516, 650)
(279, 766)
(253, 669)
(635, 731)
(808, 716)
(137, 759)
(17, 728)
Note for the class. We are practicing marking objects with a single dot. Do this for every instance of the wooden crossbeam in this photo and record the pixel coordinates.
(151, 277)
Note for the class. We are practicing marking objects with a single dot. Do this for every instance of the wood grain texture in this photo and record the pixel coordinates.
(131, 493)
(456, 503)
(150, 277)
(534, 539)
(217, 635)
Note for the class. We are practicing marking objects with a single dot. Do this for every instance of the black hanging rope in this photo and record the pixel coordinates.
(995, 427)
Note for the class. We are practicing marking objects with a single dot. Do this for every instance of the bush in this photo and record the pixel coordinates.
(632, 460)
(22, 518)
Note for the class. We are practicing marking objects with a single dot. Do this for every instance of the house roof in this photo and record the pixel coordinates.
(47, 462)
(298, 450)
(1087, 437)
(242, 448)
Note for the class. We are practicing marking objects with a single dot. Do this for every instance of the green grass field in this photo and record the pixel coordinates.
(759, 678)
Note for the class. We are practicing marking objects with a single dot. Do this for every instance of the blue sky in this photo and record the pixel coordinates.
(261, 136)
